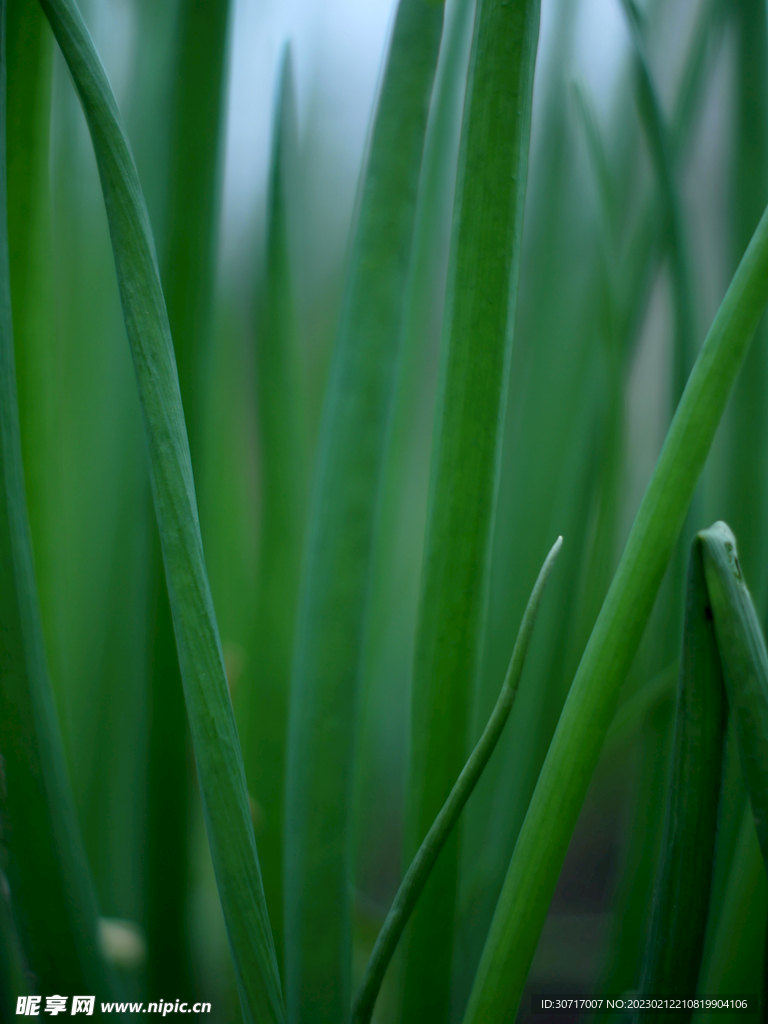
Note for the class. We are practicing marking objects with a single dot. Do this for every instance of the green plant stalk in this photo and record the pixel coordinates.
(477, 346)
(745, 666)
(684, 346)
(642, 249)
(557, 395)
(48, 871)
(422, 864)
(30, 63)
(405, 485)
(626, 942)
(525, 745)
(747, 484)
(343, 511)
(575, 747)
(630, 715)
(188, 263)
(214, 736)
(744, 480)
(13, 981)
(282, 506)
(489, 837)
(193, 194)
(681, 896)
(735, 958)
(29, 60)
(638, 271)
(166, 878)
(723, 650)
(659, 143)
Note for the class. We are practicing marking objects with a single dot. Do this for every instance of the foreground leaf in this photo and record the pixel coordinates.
(681, 898)
(214, 736)
(745, 666)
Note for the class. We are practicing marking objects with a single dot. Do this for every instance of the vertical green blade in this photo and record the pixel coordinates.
(660, 145)
(745, 665)
(343, 511)
(49, 876)
(735, 958)
(480, 310)
(746, 494)
(30, 63)
(214, 736)
(282, 508)
(188, 263)
(681, 898)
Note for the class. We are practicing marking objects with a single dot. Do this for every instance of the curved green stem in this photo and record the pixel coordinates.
(422, 864)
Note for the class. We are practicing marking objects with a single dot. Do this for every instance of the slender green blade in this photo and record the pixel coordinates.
(187, 264)
(214, 736)
(681, 898)
(193, 194)
(53, 894)
(30, 52)
(478, 329)
(734, 961)
(745, 665)
(660, 145)
(327, 657)
(745, 497)
(575, 748)
(282, 508)
(405, 483)
(13, 982)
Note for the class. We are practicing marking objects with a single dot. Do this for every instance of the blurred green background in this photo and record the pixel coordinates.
(642, 194)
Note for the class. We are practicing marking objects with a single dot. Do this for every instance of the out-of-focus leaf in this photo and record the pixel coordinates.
(48, 872)
(343, 510)
(477, 339)
(282, 512)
